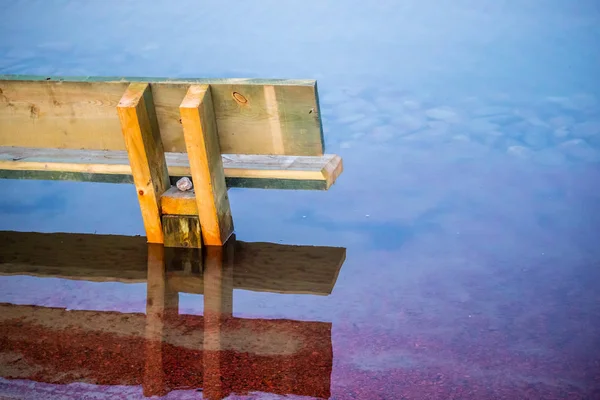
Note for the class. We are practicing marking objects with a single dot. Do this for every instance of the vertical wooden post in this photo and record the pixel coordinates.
(204, 153)
(182, 231)
(146, 154)
(161, 303)
(218, 309)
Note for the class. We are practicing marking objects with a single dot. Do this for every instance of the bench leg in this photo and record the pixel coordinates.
(204, 153)
(146, 154)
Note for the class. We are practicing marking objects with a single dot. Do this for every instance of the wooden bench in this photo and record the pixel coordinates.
(222, 133)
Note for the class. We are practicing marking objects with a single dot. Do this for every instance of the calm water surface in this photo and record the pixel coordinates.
(457, 256)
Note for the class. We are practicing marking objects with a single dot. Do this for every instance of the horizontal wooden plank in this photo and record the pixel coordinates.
(253, 116)
(265, 267)
(295, 172)
(206, 81)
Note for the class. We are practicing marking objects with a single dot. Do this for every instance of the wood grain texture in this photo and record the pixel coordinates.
(241, 170)
(206, 165)
(182, 231)
(176, 202)
(265, 267)
(332, 170)
(78, 113)
(146, 154)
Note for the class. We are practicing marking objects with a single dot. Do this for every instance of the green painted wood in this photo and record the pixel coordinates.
(254, 183)
(279, 117)
(68, 176)
(287, 184)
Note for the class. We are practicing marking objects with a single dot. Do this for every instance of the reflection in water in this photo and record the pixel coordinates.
(163, 350)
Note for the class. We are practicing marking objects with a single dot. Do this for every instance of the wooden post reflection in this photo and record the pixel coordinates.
(161, 305)
(218, 309)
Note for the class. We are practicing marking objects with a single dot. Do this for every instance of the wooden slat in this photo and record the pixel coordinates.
(202, 143)
(182, 231)
(241, 170)
(266, 267)
(146, 154)
(332, 170)
(176, 202)
(78, 113)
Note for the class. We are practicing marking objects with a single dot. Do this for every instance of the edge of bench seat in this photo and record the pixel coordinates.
(241, 170)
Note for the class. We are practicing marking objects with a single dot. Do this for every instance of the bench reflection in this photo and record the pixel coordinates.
(164, 350)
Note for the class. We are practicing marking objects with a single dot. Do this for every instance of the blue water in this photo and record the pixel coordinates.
(469, 203)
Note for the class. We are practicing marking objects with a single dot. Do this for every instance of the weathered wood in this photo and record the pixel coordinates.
(202, 143)
(253, 116)
(325, 168)
(251, 171)
(160, 303)
(176, 202)
(182, 231)
(332, 170)
(266, 267)
(146, 154)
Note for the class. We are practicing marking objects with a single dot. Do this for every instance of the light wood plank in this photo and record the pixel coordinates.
(274, 122)
(182, 231)
(146, 154)
(78, 113)
(241, 170)
(176, 202)
(202, 143)
(332, 170)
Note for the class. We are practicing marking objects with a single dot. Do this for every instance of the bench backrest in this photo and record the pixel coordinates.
(254, 116)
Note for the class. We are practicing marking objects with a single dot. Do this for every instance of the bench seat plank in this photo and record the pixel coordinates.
(253, 116)
(241, 170)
